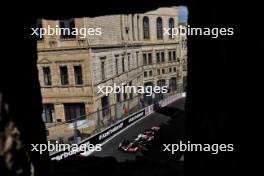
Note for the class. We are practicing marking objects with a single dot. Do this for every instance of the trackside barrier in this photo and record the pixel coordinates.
(171, 99)
(115, 128)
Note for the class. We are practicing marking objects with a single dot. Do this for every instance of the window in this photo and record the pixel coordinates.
(145, 73)
(123, 64)
(47, 76)
(74, 110)
(105, 107)
(147, 58)
(173, 84)
(125, 95)
(48, 113)
(105, 102)
(174, 69)
(150, 58)
(159, 28)
(162, 57)
(169, 55)
(78, 75)
(170, 70)
(171, 26)
(157, 57)
(158, 71)
(174, 55)
(146, 27)
(161, 83)
(137, 58)
(147, 99)
(67, 28)
(163, 71)
(103, 69)
(39, 26)
(116, 65)
(128, 60)
(118, 97)
(150, 73)
(144, 59)
(64, 75)
(131, 93)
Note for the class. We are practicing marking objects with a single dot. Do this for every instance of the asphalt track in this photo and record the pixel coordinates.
(163, 118)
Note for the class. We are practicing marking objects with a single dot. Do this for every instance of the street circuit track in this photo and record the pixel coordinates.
(110, 161)
(161, 118)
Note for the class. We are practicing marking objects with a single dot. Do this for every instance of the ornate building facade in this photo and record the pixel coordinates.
(131, 50)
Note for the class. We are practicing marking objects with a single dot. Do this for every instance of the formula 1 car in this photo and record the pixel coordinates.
(141, 142)
(130, 147)
(155, 128)
(152, 130)
(145, 137)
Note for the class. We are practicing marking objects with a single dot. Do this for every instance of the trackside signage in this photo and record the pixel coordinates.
(98, 138)
(136, 117)
(111, 131)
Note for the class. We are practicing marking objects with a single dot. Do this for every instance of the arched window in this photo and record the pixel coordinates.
(159, 28)
(146, 27)
(171, 26)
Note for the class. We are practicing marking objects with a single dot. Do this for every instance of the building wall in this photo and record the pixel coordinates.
(71, 93)
(111, 30)
(122, 37)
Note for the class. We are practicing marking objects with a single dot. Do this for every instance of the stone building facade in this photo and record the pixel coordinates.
(131, 50)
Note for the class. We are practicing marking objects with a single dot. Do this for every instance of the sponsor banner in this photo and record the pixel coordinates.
(100, 137)
(135, 117)
(149, 110)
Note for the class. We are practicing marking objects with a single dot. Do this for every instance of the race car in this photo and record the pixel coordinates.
(155, 128)
(130, 147)
(144, 137)
(141, 142)
(152, 130)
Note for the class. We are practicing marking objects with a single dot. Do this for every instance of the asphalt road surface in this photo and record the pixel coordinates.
(162, 118)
